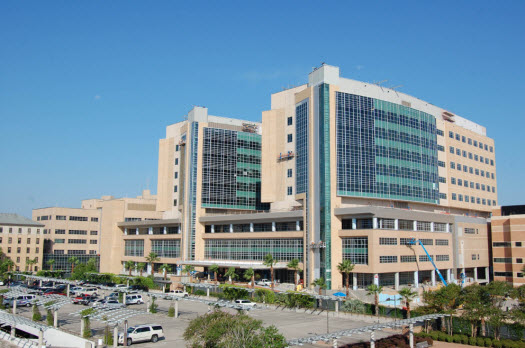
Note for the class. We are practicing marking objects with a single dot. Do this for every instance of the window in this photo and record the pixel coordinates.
(442, 242)
(356, 250)
(503, 260)
(175, 188)
(441, 148)
(424, 258)
(289, 173)
(457, 137)
(93, 233)
(491, 162)
(290, 120)
(451, 135)
(290, 138)
(176, 175)
(166, 247)
(442, 258)
(408, 258)
(470, 155)
(518, 244)
(289, 190)
(454, 197)
(469, 141)
(476, 157)
(442, 180)
(28, 240)
(174, 202)
(60, 241)
(9, 249)
(60, 217)
(406, 225)
(77, 241)
(460, 197)
(60, 231)
(465, 183)
(93, 241)
(481, 145)
(94, 219)
(459, 167)
(10, 240)
(519, 260)
(458, 152)
(476, 171)
(440, 227)
(78, 218)
(439, 132)
(491, 149)
(452, 149)
(441, 164)
(470, 230)
(475, 143)
(134, 247)
(387, 241)
(92, 252)
(19, 240)
(463, 139)
(176, 147)
(471, 170)
(176, 161)
(427, 241)
(467, 198)
(452, 165)
(460, 182)
(453, 181)
(18, 250)
(464, 153)
(387, 259)
(28, 250)
(81, 232)
(442, 195)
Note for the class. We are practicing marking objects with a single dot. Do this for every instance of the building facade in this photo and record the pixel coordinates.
(508, 237)
(22, 240)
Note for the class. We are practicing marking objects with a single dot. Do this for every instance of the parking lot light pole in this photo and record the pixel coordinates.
(125, 336)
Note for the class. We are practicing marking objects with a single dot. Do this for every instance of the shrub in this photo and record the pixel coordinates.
(171, 311)
(464, 339)
(488, 342)
(456, 338)
(434, 335)
(480, 342)
(264, 295)
(36, 313)
(87, 328)
(50, 318)
(449, 339)
(153, 306)
(234, 293)
(497, 344)
(199, 293)
(472, 341)
(442, 336)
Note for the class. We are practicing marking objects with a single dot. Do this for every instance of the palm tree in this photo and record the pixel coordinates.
(188, 269)
(9, 264)
(51, 263)
(249, 274)
(215, 269)
(165, 268)
(346, 267)
(140, 267)
(375, 290)
(269, 261)
(230, 273)
(30, 263)
(73, 260)
(320, 283)
(408, 295)
(151, 259)
(129, 265)
(294, 264)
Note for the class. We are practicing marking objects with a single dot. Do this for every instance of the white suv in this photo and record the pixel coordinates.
(176, 293)
(142, 333)
(87, 291)
(245, 304)
(134, 299)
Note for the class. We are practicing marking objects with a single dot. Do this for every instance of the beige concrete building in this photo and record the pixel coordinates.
(21, 240)
(508, 239)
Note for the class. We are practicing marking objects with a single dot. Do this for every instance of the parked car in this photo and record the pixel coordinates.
(53, 292)
(176, 293)
(87, 291)
(142, 333)
(121, 287)
(74, 289)
(134, 299)
(61, 287)
(84, 299)
(22, 300)
(138, 287)
(98, 303)
(264, 282)
(111, 304)
(113, 296)
(245, 304)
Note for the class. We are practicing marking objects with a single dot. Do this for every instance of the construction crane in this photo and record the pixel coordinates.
(414, 241)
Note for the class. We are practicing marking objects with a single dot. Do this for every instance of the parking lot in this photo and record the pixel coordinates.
(291, 324)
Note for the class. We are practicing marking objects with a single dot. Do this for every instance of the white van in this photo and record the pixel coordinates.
(142, 333)
(22, 300)
(134, 299)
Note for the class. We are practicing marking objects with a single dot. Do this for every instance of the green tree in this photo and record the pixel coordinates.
(215, 269)
(51, 263)
(224, 330)
(188, 269)
(269, 261)
(36, 313)
(294, 264)
(140, 267)
(320, 283)
(476, 304)
(346, 267)
(129, 265)
(443, 300)
(73, 260)
(375, 290)
(9, 263)
(249, 274)
(151, 259)
(230, 273)
(165, 268)
(408, 295)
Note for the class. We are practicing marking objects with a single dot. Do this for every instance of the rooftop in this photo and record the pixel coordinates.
(15, 219)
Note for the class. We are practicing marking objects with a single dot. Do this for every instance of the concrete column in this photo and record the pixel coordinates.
(14, 305)
(208, 292)
(40, 338)
(416, 279)
(55, 319)
(335, 343)
(374, 223)
(415, 225)
(354, 281)
(354, 224)
(136, 231)
(251, 227)
(212, 228)
(433, 277)
(487, 274)
(396, 224)
(149, 269)
(448, 227)
(298, 225)
(115, 336)
(178, 231)
(165, 230)
(476, 274)
(411, 335)
(124, 298)
(176, 309)
(13, 332)
(432, 227)
(337, 306)
(376, 279)
(396, 281)
(81, 326)
(448, 275)
(231, 228)
(372, 340)
(40, 282)
(147, 304)
(273, 226)
(125, 231)
(150, 230)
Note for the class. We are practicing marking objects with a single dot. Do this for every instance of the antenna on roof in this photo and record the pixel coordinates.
(396, 87)
(379, 83)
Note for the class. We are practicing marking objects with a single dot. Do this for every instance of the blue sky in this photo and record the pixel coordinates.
(87, 88)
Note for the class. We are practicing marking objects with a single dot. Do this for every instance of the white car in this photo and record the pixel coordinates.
(87, 291)
(134, 299)
(121, 287)
(264, 282)
(111, 304)
(176, 293)
(142, 333)
(245, 304)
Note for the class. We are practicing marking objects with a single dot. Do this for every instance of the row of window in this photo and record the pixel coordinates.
(471, 170)
(390, 224)
(412, 258)
(28, 241)
(477, 185)
(505, 244)
(469, 141)
(78, 232)
(75, 241)
(470, 155)
(19, 250)
(472, 199)
(507, 260)
(257, 227)
(407, 241)
(64, 217)
(74, 252)
(10, 230)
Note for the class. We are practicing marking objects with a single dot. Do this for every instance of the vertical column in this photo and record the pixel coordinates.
(137, 230)
(115, 336)
(165, 230)
(231, 228)
(208, 292)
(273, 226)
(376, 279)
(374, 223)
(396, 224)
(251, 227)
(149, 269)
(125, 231)
(433, 277)
(82, 325)
(396, 281)
(448, 227)
(476, 274)
(416, 279)
(14, 304)
(68, 290)
(432, 227)
(13, 331)
(212, 228)
(487, 274)
(448, 275)
(40, 338)
(411, 336)
(415, 225)
(178, 230)
(372, 340)
(354, 224)
(150, 230)
(176, 308)
(298, 225)
(55, 318)
(354, 281)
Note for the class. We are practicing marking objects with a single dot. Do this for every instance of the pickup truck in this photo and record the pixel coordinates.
(264, 282)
